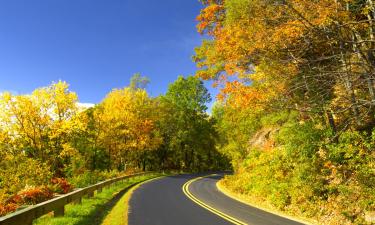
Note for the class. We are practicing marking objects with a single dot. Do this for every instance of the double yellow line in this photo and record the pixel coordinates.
(185, 189)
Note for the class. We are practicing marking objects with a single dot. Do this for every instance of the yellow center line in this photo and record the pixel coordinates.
(185, 189)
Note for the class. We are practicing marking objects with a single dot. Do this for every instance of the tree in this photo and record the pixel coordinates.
(128, 124)
(188, 133)
(138, 82)
(311, 56)
(40, 124)
(297, 94)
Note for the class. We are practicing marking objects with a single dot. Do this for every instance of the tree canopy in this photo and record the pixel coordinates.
(296, 102)
(46, 136)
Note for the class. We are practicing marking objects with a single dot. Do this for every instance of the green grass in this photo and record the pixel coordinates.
(92, 211)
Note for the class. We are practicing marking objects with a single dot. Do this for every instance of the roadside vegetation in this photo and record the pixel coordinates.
(50, 144)
(93, 211)
(296, 109)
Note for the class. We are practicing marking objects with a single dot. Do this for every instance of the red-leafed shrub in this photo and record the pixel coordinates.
(61, 185)
(7, 208)
(15, 199)
(35, 195)
(29, 196)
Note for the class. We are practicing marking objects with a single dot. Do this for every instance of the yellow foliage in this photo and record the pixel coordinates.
(128, 122)
(41, 121)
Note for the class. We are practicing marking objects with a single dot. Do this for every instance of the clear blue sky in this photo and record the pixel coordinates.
(96, 45)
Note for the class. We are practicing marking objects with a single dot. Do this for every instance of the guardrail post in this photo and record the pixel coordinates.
(90, 194)
(25, 221)
(77, 201)
(28, 222)
(59, 211)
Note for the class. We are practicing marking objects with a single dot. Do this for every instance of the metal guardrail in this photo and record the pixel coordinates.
(27, 215)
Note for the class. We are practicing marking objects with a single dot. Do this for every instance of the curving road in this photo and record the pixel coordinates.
(163, 202)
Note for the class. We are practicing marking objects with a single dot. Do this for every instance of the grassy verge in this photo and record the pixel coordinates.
(94, 210)
(248, 201)
(118, 215)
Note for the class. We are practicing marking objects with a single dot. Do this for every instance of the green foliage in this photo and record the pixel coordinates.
(188, 132)
(235, 126)
(278, 118)
(300, 140)
(188, 94)
(351, 169)
(307, 170)
(18, 172)
(138, 82)
(91, 177)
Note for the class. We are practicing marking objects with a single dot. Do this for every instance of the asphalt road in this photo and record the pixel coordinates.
(162, 202)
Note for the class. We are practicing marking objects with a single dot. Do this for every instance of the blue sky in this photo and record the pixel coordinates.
(96, 45)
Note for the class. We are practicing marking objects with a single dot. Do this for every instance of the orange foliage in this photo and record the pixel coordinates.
(7, 208)
(61, 185)
(35, 195)
(30, 196)
(208, 15)
(258, 33)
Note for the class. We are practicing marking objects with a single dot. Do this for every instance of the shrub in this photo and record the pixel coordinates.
(82, 180)
(92, 177)
(35, 195)
(17, 172)
(28, 196)
(7, 208)
(61, 186)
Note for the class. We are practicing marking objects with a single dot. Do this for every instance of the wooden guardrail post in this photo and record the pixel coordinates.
(77, 201)
(60, 211)
(29, 222)
(90, 194)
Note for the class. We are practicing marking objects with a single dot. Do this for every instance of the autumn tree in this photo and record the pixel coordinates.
(128, 123)
(35, 137)
(40, 125)
(312, 56)
(296, 80)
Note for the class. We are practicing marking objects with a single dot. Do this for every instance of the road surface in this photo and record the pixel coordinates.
(163, 202)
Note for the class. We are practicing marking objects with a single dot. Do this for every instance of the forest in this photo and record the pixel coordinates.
(294, 119)
(50, 144)
(296, 109)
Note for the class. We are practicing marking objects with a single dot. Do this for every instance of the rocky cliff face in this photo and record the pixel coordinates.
(264, 139)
